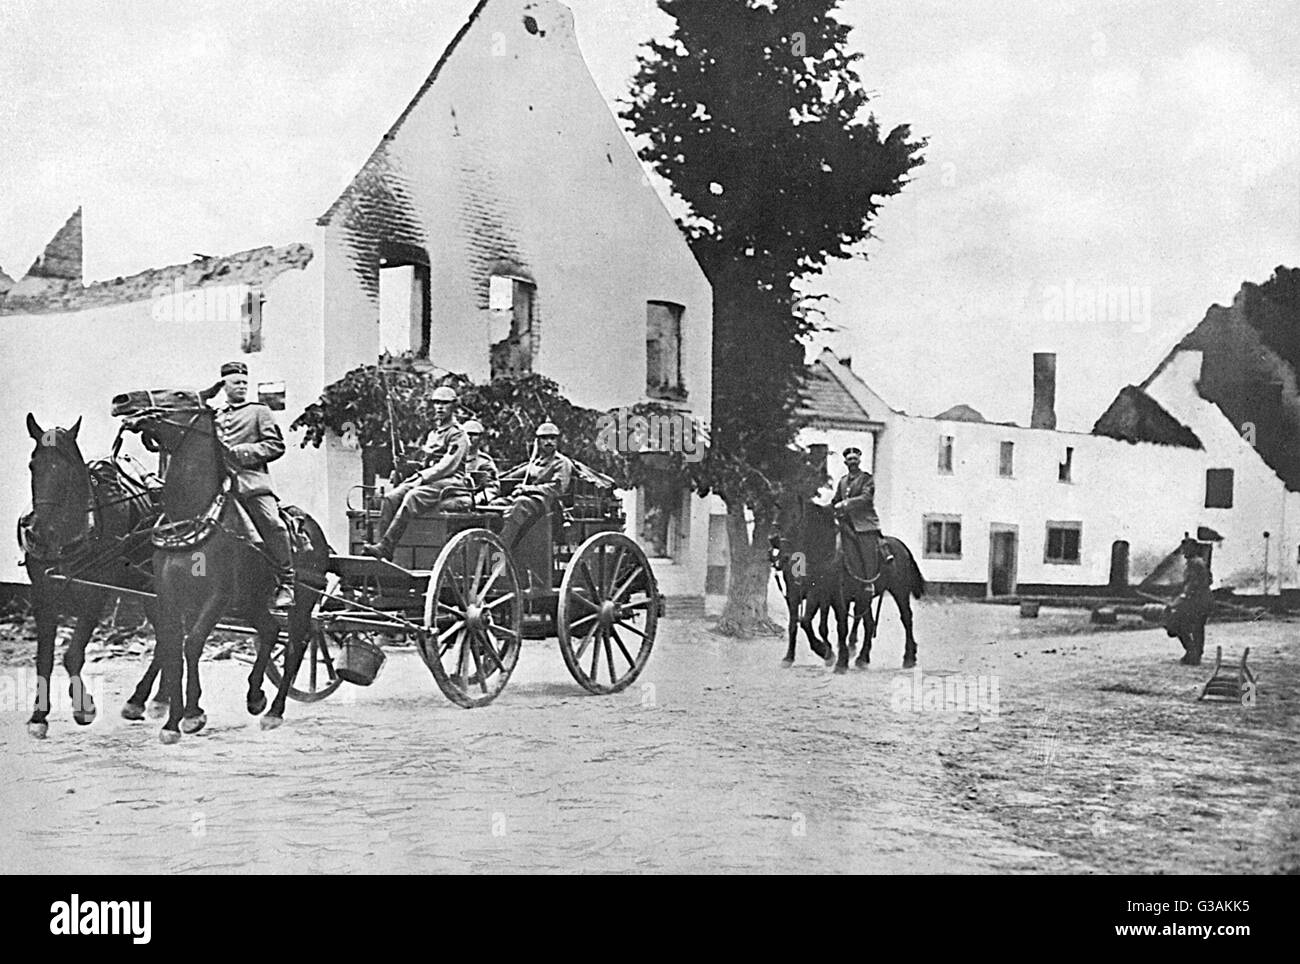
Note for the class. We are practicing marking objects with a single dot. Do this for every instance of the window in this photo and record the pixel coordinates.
(945, 454)
(513, 326)
(664, 515)
(1063, 470)
(1218, 488)
(250, 320)
(1006, 456)
(1063, 542)
(663, 350)
(943, 537)
(404, 303)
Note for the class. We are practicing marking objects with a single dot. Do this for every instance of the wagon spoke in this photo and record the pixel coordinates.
(618, 593)
(497, 602)
(626, 654)
(628, 626)
(586, 641)
(490, 650)
(609, 657)
(591, 580)
(451, 609)
(613, 572)
(496, 574)
(585, 619)
(478, 574)
(503, 629)
(595, 654)
(639, 604)
(448, 632)
(478, 663)
(460, 660)
(575, 595)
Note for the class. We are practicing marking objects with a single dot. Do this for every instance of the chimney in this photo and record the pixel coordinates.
(1044, 414)
(847, 362)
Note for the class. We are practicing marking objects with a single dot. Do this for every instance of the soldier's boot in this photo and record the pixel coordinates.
(284, 585)
(378, 550)
(284, 577)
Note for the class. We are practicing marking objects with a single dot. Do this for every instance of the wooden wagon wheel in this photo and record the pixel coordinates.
(607, 613)
(316, 676)
(473, 618)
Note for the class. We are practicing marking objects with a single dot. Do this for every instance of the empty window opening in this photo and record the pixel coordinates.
(405, 311)
(945, 454)
(942, 537)
(1064, 470)
(1218, 488)
(1006, 456)
(663, 350)
(512, 303)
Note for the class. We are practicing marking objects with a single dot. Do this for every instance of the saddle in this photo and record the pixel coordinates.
(294, 519)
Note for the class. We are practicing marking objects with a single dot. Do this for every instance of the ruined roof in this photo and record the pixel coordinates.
(827, 403)
(256, 266)
(960, 413)
(377, 153)
(6, 283)
(1134, 416)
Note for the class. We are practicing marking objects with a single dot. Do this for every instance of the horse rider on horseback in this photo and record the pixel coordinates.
(543, 481)
(854, 505)
(479, 466)
(444, 450)
(249, 432)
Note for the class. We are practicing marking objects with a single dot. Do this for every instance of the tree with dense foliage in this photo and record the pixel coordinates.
(753, 111)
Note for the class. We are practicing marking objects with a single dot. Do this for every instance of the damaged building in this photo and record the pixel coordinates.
(1204, 445)
(502, 225)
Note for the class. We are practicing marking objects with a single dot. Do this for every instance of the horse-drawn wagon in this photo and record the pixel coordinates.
(456, 591)
(467, 602)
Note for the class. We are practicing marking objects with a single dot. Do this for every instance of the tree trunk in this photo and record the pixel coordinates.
(746, 611)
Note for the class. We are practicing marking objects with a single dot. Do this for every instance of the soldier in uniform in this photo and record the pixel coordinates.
(444, 452)
(543, 481)
(249, 433)
(854, 505)
(1192, 606)
(479, 466)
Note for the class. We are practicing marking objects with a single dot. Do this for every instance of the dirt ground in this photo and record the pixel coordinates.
(1061, 751)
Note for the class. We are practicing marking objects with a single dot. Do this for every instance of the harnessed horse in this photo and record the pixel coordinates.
(204, 563)
(90, 523)
(819, 579)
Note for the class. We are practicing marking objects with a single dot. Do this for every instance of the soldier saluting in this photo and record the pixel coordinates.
(854, 505)
(249, 432)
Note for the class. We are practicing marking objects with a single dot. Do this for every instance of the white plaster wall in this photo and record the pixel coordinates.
(1260, 500)
(513, 159)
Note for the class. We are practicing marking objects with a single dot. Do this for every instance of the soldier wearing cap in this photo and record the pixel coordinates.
(249, 433)
(444, 453)
(854, 505)
(543, 481)
(479, 466)
(1191, 609)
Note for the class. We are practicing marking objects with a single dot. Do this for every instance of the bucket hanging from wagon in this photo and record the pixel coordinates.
(360, 661)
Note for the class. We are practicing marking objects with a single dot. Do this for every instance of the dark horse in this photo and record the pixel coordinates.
(88, 522)
(818, 580)
(205, 562)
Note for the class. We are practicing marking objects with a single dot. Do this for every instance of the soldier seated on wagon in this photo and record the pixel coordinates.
(543, 481)
(444, 473)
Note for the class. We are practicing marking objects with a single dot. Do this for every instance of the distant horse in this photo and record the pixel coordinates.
(87, 522)
(807, 548)
(205, 562)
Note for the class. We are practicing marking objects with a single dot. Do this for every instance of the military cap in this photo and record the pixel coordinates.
(234, 368)
(852, 448)
(443, 393)
(547, 429)
(472, 427)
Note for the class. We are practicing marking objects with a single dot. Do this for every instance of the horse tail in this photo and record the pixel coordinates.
(917, 580)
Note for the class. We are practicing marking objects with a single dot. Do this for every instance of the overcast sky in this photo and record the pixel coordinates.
(1076, 149)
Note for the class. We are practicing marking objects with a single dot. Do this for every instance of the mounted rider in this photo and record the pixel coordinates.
(854, 505)
(543, 481)
(444, 453)
(250, 434)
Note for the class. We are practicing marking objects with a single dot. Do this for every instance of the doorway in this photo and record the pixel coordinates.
(1003, 544)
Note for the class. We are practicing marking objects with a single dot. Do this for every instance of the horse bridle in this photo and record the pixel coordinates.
(27, 539)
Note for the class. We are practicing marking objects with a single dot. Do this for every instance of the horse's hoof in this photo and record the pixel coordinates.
(862, 664)
(829, 661)
(85, 717)
(255, 707)
(787, 663)
(169, 737)
(272, 722)
(840, 670)
(192, 724)
(132, 711)
(37, 731)
(909, 662)
(158, 709)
